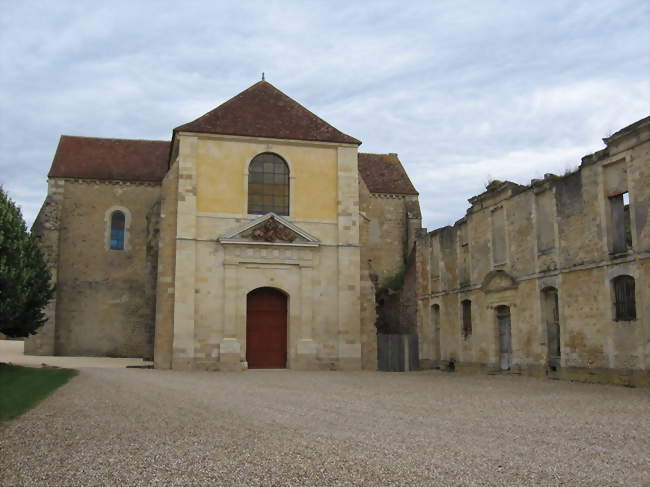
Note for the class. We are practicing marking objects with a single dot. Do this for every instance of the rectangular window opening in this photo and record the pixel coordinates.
(620, 222)
(467, 318)
(498, 237)
(624, 298)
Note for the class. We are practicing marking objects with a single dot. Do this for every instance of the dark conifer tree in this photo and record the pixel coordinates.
(25, 281)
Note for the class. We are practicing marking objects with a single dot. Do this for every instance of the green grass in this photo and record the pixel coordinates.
(22, 388)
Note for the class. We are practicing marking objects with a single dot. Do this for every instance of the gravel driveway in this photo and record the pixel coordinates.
(276, 428)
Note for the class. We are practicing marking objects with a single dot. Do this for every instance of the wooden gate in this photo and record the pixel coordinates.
(266, 329)
(397, 353)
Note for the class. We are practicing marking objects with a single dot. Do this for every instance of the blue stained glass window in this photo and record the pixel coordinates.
(117, 230)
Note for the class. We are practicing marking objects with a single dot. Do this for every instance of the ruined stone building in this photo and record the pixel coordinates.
(550, 278)
(242, 242)
(259, 236)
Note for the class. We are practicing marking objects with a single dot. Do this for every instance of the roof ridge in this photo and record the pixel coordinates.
(80, 157)
(263, 110)
(112, 138)
(303, 106)
(385, 174)
(380, 153)
(223, 103)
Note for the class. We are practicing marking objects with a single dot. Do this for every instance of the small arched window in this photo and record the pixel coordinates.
(117, 230)
(268, 185)
(624, 300)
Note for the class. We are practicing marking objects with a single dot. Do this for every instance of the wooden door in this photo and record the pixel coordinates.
(505, 337)
(266, 329)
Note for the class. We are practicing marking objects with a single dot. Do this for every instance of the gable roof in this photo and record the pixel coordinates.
(119, 159)
(384, 173)
(264, 111)
(146, 160)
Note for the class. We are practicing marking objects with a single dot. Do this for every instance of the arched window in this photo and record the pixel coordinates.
(268, 185)
(117, 230)
(624, 300)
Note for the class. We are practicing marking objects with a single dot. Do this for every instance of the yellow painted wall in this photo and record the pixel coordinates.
(222, 177)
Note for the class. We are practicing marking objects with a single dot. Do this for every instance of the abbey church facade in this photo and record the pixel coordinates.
(260, 237)
(237, 244)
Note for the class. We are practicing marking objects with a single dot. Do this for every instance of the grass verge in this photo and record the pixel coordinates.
(21, 388)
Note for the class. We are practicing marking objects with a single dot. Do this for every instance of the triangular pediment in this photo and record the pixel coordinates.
(269, 229)
(264, 111)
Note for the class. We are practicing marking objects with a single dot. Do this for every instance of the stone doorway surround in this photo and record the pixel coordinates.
(269, 252)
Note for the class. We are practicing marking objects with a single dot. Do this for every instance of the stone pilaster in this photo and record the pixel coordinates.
(349, 305)
(185, 285)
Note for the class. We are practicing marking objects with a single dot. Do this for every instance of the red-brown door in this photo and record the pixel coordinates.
(266, 329)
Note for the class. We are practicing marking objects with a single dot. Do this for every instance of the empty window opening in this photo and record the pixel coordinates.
(551, 316)
(117, 230)
(620, 222)
(268, 185)
(435, 324)
(626, 220)
(463, 240)
(435, 259)
(466, 307)
(498, 236)
(544, 221)
(624, 299)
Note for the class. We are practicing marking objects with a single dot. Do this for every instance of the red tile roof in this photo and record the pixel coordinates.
(384, 173)
(120, 159)
(146, 160)
(264, 111)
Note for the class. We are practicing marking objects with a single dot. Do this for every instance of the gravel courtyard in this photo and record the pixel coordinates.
(276, 428)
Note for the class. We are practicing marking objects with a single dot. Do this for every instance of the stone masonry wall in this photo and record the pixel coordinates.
(388, 226)
(517, 246)
(102, 303)
(46, 229)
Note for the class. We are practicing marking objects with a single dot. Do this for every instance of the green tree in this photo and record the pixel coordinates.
(25, 287)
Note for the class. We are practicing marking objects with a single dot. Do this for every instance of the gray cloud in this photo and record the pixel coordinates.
(463, 91)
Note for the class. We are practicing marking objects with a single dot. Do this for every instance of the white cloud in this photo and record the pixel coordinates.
(461, 90)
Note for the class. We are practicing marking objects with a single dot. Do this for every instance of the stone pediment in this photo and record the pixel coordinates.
(498, 280)
(269, 229)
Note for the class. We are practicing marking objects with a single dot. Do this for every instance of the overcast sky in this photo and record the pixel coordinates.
(463, 91)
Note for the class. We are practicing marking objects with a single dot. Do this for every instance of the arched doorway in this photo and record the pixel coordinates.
(266, 329)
